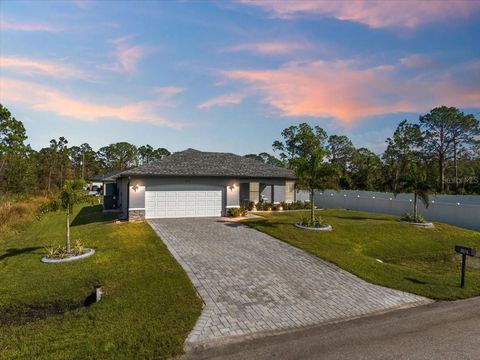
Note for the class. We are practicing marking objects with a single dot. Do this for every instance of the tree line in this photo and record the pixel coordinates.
(442, 150)
(24, 170)
(440, 153)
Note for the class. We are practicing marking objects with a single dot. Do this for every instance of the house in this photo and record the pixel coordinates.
(194, 183)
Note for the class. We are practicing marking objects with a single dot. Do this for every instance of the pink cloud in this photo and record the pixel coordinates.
(42, 67)
(127, 56)
(43, 98)
(223, 100)
(374, 13)
(349, 91)
(269, 48)
(7, 24)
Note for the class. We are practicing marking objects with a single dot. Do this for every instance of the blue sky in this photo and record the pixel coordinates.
(229, 76)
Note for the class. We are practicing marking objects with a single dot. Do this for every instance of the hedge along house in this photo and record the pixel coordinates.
(194, 183)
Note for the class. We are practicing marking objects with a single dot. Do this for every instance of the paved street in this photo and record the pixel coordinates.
(437, 331)
(254, 284)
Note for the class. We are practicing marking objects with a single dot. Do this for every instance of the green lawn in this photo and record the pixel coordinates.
(147, 311)
(417, 260)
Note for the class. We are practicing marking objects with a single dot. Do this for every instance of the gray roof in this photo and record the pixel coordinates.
(192, 162)
(110, 176)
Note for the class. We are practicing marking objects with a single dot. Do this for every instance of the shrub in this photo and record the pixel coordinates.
(317, 222)
(236, 212)
(264, 206)
(277, 207)
(409, 217)
(60, 251)
(250, 205)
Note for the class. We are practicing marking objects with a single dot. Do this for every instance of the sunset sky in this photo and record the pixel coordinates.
(229, 76)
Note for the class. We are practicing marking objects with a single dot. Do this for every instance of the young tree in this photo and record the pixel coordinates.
(304, 150)
(73, 193)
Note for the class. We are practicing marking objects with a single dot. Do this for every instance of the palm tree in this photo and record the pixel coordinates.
(415, 180)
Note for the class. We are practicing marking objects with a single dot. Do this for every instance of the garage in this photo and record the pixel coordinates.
(184, 203)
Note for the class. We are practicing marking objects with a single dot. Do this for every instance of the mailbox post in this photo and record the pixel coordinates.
(465, 251)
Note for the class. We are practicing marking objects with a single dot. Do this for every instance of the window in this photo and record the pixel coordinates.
(289, 191)
(254, 192)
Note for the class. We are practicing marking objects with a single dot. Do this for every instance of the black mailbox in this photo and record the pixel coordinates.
(465, 250)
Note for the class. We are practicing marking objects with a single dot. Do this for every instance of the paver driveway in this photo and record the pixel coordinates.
(251, 282)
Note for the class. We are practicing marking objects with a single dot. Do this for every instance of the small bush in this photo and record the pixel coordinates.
(318, 222)
(410, 218)
(277, 207)
(236, 212)
(250, 205)
(263, 206)
(60, 251)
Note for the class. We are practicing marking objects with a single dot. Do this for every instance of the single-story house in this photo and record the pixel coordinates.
(194, 183)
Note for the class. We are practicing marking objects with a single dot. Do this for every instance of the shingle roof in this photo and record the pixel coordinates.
(110, 176)
(192, 162)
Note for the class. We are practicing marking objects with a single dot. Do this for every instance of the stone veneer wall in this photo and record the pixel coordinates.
(136, 215)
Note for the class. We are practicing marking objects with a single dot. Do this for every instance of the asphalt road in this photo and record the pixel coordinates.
(442, 330)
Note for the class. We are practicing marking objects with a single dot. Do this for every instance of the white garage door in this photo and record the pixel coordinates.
(176, 204)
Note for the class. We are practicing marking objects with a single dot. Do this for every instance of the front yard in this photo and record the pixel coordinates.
(148, 308)
(417, 260)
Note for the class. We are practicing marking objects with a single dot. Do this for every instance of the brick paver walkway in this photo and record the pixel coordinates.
(251, 282)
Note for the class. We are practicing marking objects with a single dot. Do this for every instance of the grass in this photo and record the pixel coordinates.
(148, 308)
(417, 260)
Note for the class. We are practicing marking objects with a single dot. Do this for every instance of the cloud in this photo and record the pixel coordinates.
(418, 61)
(374, 13)
(127, 56)
(8, 24)
(43, 98)
(349, 90)
(42, 67)
(271, 48)
(223, 100)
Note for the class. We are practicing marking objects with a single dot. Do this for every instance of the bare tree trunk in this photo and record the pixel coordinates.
(68, 231)
(312, 210)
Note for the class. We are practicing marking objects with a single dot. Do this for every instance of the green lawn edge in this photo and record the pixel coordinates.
(416, 260)
(147, 311)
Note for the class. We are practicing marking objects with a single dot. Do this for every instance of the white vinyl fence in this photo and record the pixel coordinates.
(459, 210)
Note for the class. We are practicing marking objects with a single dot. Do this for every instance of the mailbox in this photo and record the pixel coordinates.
(465, 250)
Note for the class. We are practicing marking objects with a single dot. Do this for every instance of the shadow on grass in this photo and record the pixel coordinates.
(416, 281)
(15, 251)
(91, 215)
